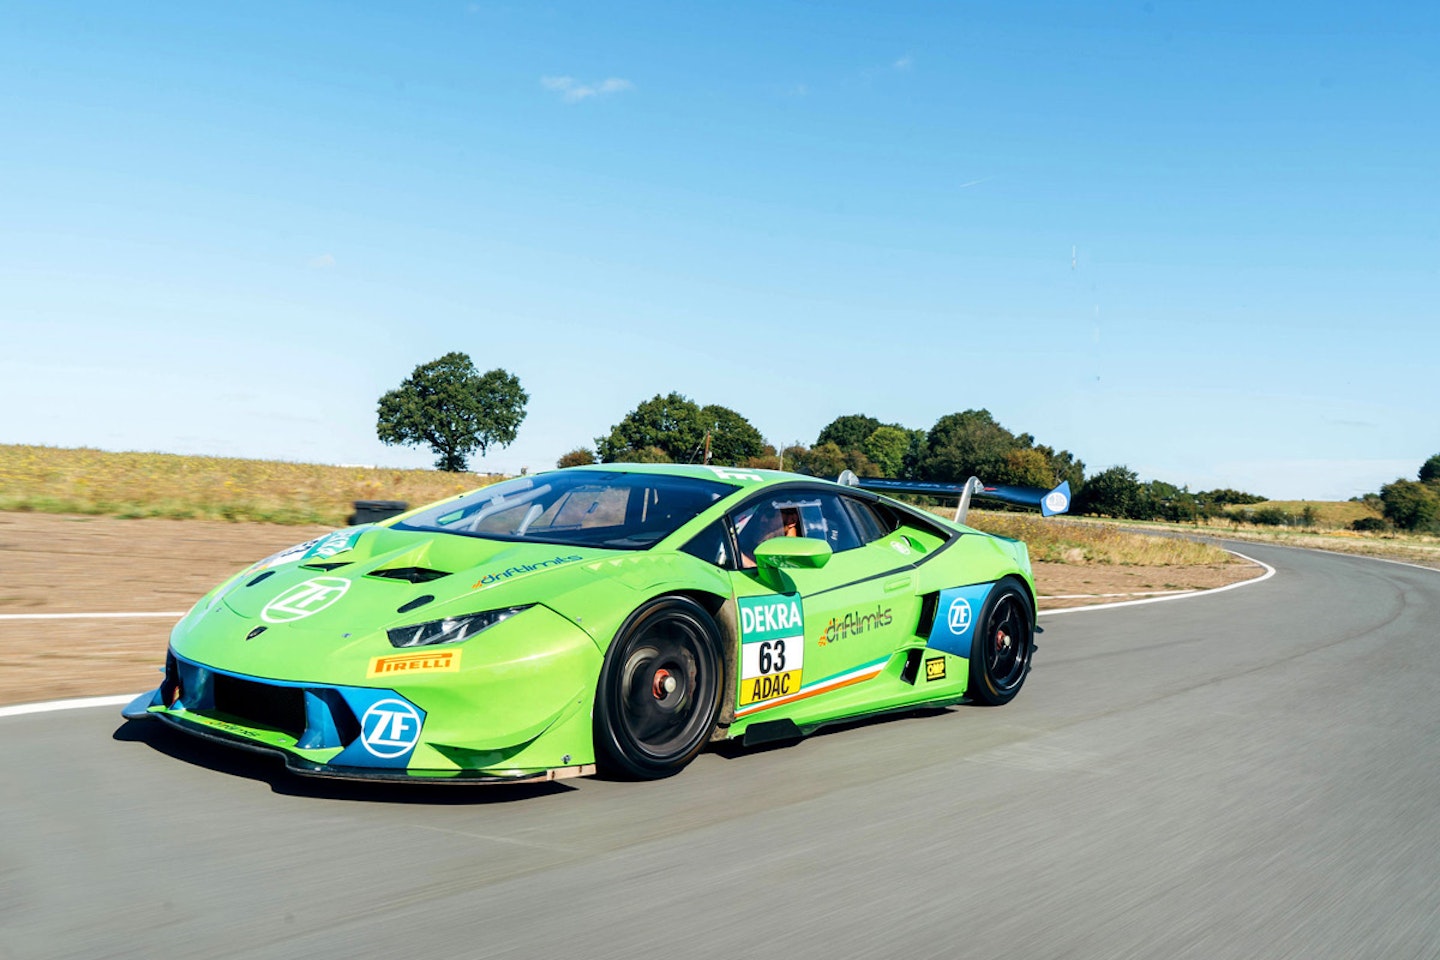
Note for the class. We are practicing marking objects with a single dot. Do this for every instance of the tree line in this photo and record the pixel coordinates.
(1412, 505)
(458, 411)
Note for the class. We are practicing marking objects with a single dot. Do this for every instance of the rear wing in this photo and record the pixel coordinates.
(1050, 502)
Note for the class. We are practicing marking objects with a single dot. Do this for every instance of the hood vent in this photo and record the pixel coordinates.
(324, 566)
(410, 574)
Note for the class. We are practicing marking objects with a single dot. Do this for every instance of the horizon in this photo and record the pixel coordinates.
(1200, 243)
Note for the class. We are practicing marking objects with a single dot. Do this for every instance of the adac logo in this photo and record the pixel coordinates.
(305, 600)
(959, 615)
(853, 624)
(509, 572)
(390, 729)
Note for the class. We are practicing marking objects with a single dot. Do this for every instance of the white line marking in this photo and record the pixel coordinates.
(22, 709)
(1269, 572)
(1088, 596)
(84, 616)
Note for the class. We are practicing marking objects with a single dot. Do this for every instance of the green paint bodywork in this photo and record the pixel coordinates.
(519, 703)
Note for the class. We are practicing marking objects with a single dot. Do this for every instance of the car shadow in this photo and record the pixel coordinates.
(736, 749)
(271, 770)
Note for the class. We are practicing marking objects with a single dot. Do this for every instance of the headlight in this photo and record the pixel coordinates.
(451, 629)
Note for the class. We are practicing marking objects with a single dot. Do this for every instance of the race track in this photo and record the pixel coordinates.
(1249, 774)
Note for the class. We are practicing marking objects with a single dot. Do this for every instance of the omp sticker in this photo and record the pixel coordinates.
(934, 669)
(390, 729)
(434, 661)
(955, 616)
(305, 599)
(772, 647)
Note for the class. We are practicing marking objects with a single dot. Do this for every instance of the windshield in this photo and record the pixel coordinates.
(621, 511)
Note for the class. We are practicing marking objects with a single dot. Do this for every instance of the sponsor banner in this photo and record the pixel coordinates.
(772, 647)
(428, 661)
(389, 729)
(337, 542)
(503, 575)
(955, 617)
(856, 622)
(305, 599)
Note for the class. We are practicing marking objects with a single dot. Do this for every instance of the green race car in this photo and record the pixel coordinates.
(616, 615)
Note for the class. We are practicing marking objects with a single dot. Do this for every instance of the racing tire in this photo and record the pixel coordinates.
(659, 693)
(1003, 645)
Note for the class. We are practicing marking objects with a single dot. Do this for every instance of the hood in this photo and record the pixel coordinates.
(364, 585)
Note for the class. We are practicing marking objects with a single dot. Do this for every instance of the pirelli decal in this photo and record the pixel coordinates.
(428, 661)
(772, 648)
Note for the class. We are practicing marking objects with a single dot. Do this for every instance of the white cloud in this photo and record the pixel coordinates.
(974, 183)
(323, 262)
(904, 63)
(573, 91)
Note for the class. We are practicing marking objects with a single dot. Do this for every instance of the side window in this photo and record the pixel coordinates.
(820, 516)
(870, 523)
(712, 545)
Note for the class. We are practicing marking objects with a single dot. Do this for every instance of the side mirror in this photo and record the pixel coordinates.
(793, 552)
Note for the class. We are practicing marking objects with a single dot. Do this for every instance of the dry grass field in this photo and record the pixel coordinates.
(1329, 514)
(134, 485)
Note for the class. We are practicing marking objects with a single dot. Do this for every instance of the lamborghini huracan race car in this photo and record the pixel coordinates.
(619, 615)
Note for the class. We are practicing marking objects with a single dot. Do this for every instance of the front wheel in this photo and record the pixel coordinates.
(1000, 652)
(659, 692)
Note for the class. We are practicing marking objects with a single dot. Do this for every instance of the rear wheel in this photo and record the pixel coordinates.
(659, 692)
(1000, 653)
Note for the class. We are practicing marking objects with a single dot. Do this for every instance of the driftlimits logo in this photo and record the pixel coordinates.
(854, 624)
(509, 572)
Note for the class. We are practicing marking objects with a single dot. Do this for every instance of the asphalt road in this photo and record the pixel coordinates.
(1249, 774)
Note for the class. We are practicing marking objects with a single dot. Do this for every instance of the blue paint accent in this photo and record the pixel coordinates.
(390, 724)
(955, 616)
(320, 729)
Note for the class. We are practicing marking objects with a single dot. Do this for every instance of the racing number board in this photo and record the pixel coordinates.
(772, 647)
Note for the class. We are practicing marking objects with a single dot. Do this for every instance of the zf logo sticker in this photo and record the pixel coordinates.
(304, 600)
(959, 616)
(390, 729)
(772, 647)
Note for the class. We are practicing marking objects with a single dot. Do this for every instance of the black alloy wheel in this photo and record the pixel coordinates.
(1000, 653)
(659, 692)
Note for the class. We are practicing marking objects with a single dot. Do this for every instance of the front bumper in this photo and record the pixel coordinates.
(352, 732)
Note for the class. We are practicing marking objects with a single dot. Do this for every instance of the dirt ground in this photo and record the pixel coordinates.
(56, 564)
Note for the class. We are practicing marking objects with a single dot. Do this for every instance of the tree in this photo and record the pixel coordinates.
(1115, 492)
(455, 410)
(971, 443)
(848, 432)
(676, 425)
(1029, 468)
(671, 423)
(886, 448)
(1430, 470)
(733, 439)
(824, 460)
(578, 457)
(1410, 505)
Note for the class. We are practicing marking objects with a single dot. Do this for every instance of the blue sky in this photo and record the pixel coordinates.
(1199, 239)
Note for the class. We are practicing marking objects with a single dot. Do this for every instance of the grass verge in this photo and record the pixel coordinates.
(132, 485)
